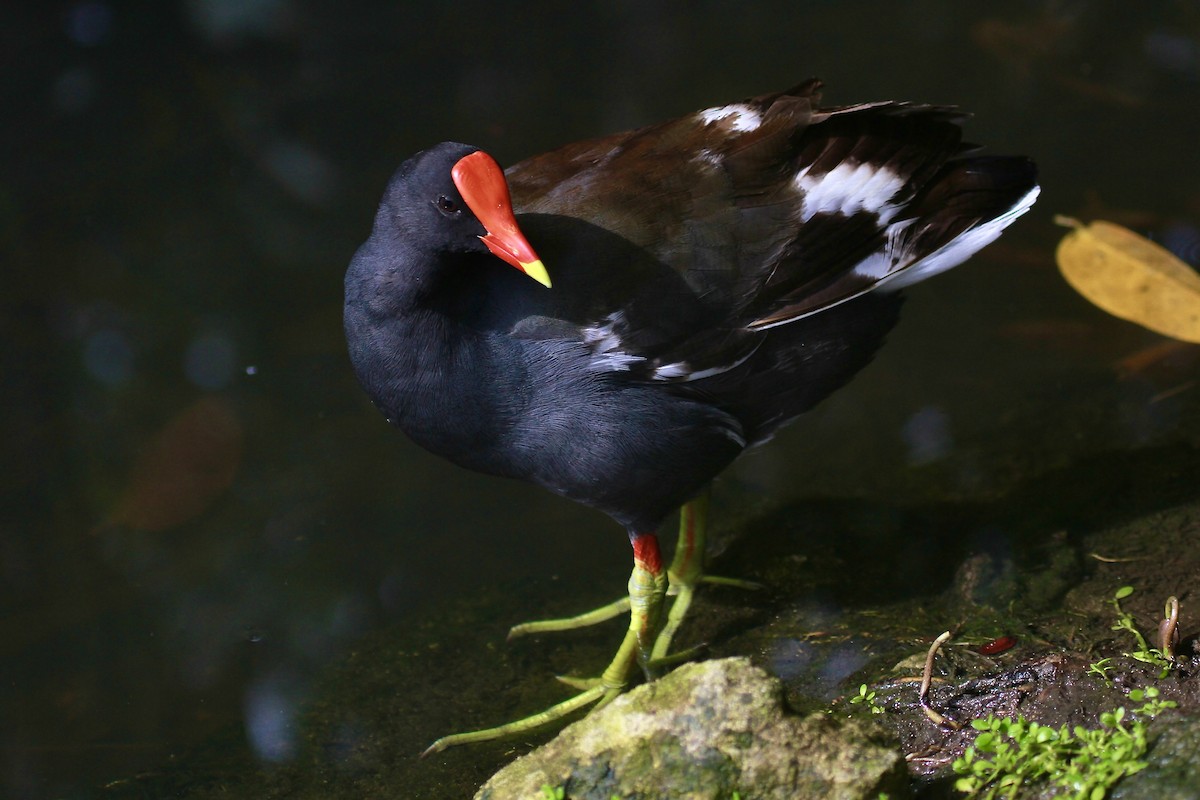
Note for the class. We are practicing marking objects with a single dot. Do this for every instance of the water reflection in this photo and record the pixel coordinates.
(226, 21)
(210, 361)
(74, 91)
(108, 357)
(304, 173)
(927, 435)
(270, 710)
(88, 23)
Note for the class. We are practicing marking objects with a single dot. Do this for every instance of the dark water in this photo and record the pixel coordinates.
(201, 511)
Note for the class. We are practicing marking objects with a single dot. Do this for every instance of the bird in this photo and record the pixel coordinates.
(618, 319)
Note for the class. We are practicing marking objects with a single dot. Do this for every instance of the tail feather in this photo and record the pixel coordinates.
(961, 212)
(895, 227)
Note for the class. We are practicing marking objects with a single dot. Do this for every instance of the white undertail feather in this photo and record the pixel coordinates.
(893, 268)
(961, 247)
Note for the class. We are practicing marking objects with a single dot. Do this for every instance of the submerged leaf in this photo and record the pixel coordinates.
(183, 469)
(1131, 277)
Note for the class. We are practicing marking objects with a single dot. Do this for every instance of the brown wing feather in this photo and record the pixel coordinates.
(773, 209)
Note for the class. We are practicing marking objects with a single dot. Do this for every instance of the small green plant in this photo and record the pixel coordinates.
(1012, 755)
(1153, 706)
(1144, 652)
(1100, 668)
(865, 697)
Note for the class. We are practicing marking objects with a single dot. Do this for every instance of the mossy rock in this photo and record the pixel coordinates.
(704, 732)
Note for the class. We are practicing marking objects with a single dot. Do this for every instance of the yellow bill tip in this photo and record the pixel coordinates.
(537, 271)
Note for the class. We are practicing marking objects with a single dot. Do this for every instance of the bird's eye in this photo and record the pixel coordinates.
(446, 205)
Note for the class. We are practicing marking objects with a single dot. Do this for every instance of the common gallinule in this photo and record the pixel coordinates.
(714, 276)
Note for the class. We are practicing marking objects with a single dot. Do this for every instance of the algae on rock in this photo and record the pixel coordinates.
(703, 732)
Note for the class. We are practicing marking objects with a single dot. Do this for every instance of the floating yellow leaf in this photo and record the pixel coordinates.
(1131, 277)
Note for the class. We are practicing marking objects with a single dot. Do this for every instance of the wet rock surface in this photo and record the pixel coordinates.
(705, 731)
(1173, 772)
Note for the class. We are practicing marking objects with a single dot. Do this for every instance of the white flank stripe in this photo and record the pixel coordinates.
(734, 436)
(741, 117)
(679, 369)
(962, 247)
(606, 344)
(604, 337)
(848, 188)
(682, 369)
(619, 362)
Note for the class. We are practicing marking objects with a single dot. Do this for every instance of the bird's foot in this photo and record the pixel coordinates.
(647, 587)
(593, 617)
(598, 694)
(735, 583)
(684, 589)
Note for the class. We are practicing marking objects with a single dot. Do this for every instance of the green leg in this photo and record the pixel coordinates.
(687, 570)
(647, 587)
